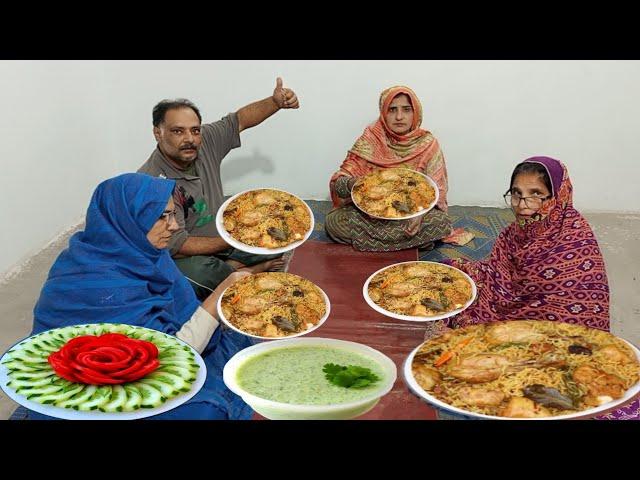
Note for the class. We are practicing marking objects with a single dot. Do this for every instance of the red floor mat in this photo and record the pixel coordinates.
(341, 272)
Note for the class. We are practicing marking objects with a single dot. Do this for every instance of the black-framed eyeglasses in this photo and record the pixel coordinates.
(168, 216)
(513, 200)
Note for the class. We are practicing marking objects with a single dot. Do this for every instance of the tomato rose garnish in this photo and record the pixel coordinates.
(107, 359)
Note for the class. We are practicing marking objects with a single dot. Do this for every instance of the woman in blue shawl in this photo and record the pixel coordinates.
(118, 271)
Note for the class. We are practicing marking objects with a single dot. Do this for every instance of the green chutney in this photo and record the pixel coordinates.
(294, 375)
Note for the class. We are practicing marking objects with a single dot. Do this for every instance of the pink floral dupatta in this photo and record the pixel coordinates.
(379, 147)
(548, 269)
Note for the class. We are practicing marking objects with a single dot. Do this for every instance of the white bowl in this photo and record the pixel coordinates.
(286, 411)
(259, 250)
(460, 413)
(417, 214)
(228, 323)
(412, 318)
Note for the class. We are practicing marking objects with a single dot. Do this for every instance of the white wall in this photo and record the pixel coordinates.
(66, 125)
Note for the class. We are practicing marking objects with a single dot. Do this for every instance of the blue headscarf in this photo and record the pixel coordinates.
(111, 272)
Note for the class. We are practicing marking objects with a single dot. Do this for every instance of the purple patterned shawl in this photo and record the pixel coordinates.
(549, 268)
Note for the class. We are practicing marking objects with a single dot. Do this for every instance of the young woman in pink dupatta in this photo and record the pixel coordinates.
(547, 265)
(394, 140)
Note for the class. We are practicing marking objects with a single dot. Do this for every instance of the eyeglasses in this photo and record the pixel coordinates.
(513, 200)
(168, 216)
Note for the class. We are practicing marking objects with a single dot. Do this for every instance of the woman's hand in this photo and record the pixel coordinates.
(233, 278)
(210, 304)
(413, 226)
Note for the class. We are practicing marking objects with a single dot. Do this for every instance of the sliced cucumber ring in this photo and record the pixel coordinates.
(30, 375)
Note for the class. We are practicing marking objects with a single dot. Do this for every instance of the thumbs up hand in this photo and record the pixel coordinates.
(284, 97)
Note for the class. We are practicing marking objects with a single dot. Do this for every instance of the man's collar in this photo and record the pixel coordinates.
(171, 168)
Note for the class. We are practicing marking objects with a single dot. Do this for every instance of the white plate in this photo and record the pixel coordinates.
(417, 214)
(71, 414)
(377, 308)
(233, 327)
(259, 250)
(415, 387)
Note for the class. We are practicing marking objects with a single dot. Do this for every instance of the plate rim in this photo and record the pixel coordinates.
(412, 318)
(416, 389)
(259, 250)
(321, 322)
(413, 215)
(71, 414)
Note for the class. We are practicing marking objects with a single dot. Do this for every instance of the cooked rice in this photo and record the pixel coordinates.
(432, 289)
(273, 304)
(557, 337)
(267, 218)
(393, 193)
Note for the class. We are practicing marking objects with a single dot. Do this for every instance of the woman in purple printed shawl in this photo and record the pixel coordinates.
(547, 265)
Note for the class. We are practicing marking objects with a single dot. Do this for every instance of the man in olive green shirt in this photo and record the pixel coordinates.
(191, 154)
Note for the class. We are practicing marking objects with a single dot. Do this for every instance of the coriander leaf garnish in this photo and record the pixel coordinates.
(351, 376)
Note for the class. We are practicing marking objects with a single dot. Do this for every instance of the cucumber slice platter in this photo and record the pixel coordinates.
(28, 379)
